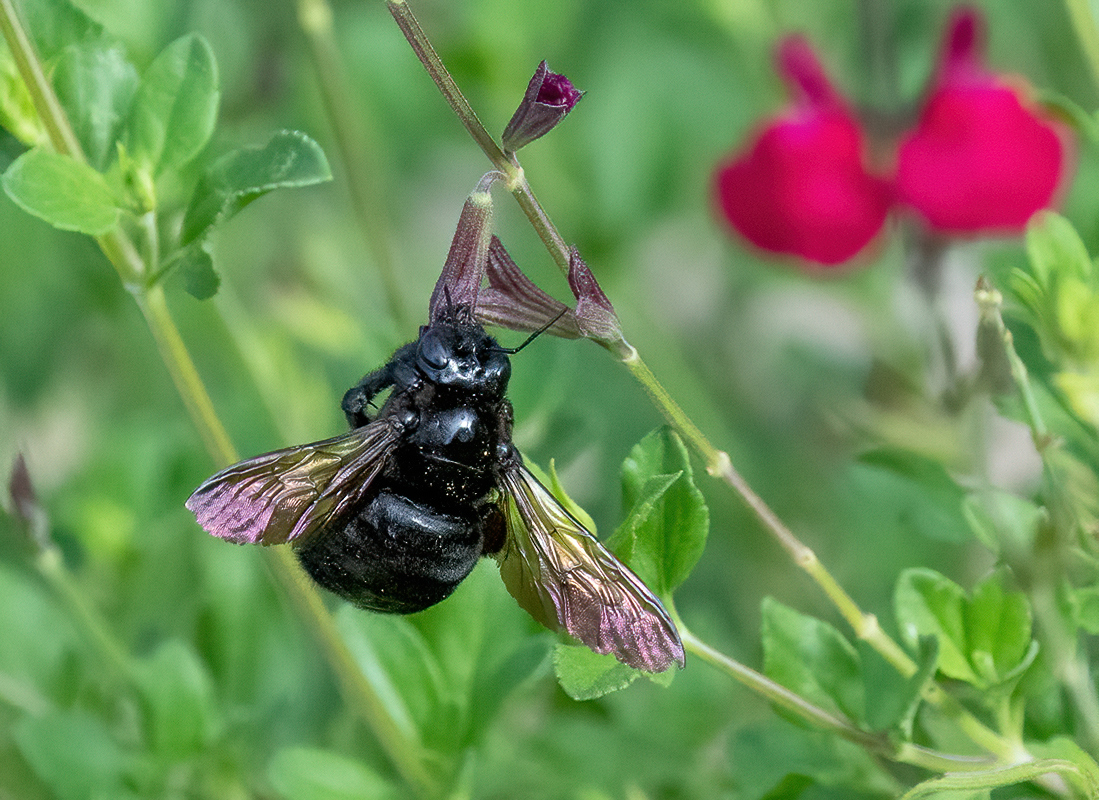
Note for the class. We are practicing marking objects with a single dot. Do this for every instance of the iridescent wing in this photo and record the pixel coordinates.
(290, 494)
(564, 578)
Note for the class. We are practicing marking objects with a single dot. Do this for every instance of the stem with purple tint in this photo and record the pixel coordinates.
(403, 749)
(718, 464)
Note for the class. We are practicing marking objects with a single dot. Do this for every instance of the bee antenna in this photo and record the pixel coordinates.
(513, 350)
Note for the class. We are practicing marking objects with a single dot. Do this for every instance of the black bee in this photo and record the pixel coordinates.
(394, 514)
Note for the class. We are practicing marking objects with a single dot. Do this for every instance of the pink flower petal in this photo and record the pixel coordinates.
(801, 189)
(978, 159)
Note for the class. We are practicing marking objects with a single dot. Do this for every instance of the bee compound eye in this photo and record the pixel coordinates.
(433, 352)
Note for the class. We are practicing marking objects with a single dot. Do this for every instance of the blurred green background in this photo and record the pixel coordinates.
(794, 376)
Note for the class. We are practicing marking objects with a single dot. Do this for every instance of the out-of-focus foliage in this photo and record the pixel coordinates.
(845, 403)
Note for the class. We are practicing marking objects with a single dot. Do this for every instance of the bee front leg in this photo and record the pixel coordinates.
(357, 399)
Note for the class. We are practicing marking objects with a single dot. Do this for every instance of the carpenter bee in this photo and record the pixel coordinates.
(394, 514)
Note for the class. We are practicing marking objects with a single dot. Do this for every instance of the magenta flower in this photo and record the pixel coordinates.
(548, 100)
(803, 186)
(979, 160)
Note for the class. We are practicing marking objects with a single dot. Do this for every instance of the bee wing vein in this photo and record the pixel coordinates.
(288, 495)
(561, 574)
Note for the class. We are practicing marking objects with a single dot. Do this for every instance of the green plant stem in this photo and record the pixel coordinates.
(1068, 664)
(355, 144)
(1083, 22)
(188, 383)
(406, 754)
(718, 463)
(1060, 646)
(516, 180)
(49, 110)
(89, 621)
(424, 50)
(826, 720)
(1006, 776)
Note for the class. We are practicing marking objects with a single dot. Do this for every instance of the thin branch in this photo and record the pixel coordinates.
(718, 463)
(826, 720)
(407, 754)
(356, 148)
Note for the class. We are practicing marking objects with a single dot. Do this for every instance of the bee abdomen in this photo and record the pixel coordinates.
(395, 555)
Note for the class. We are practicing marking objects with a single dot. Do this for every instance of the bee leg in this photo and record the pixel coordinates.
(400, 373)
(358, 397)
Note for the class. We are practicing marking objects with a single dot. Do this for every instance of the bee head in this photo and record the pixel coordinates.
(460, 355)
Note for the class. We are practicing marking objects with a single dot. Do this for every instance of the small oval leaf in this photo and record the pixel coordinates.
(290, 159)
(65, 193)
(175, 109)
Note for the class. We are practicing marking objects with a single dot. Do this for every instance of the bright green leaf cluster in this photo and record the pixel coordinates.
(138, 135)
(1060, 296)
(815, 660)
(984, 640)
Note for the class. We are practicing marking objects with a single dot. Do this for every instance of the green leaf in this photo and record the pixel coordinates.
(178, 700)
(56, 24)
(585, 675)
(985, 641)
(175, 109)
(892, 700)
(929, 604)
(1001, 519)
(558, 490)
(665, 531)
(17, 112)
(65, 193)
(1086, 781)
(405, 656)
(95, 84)
(813, 659)
(998, 628)
(73, 753)
(1055, 249)
(493, 686)
(928, 498)
(196, 268)
(1084, 603)
(27, 609)
(290, 159)
(769, 759)
(365, 652)
(550, 480)
(307, 773)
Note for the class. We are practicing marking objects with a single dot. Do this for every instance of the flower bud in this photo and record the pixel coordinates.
(512, 300)
(549, 97)
(464, 270)
(594, 313)
(25, 505)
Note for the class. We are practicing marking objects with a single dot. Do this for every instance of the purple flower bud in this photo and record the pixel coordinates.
(512, 300)
(25, 505)
(549, 97)
(594, 313)
(464, 270)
